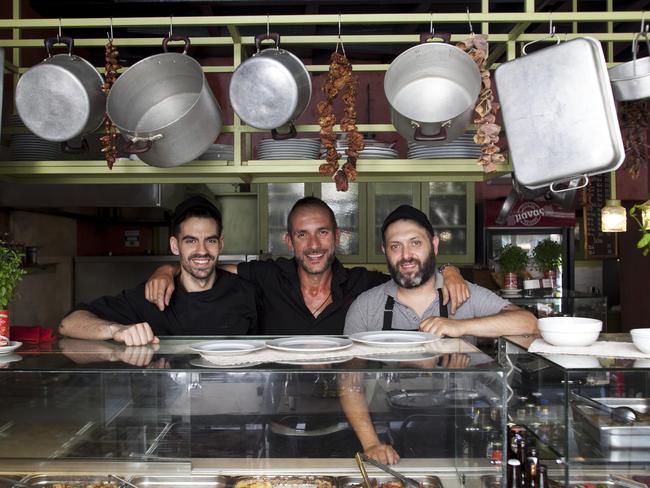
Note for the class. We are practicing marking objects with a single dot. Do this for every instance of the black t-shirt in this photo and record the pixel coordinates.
(284, 310)
(228, 308)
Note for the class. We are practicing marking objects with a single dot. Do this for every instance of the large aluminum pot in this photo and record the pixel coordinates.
(61, 98)
(165, 108)
(432, 90)
(271, 89)
(631, 80)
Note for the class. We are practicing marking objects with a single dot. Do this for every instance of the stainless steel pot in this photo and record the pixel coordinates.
(165, 108)
(432, 90)
(271, 89)
(61, 98)
(631, 80)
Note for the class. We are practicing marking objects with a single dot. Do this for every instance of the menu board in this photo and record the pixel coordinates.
(597, 244)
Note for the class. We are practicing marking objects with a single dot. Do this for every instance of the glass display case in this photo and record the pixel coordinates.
(93, 408)
(563, 302)
(564, 404)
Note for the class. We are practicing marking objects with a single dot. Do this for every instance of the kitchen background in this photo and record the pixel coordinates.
(95, 237)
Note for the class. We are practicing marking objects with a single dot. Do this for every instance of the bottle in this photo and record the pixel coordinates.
(532, 462)
(515, 434)
(514, 473)
(521, 456)
(542, 478)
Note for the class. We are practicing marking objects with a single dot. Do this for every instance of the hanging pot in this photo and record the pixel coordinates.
(271, 89)
(61, 98)
(165, 108)
(432, 90)
(631, 80)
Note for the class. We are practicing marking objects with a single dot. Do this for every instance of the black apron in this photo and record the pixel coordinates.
(390, 303)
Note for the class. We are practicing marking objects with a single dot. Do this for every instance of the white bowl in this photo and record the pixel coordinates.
(570, 331)
(641, 339)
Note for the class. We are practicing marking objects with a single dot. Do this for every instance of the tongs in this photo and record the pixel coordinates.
(361, 458)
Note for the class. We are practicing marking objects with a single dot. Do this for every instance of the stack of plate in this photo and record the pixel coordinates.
(462, 147)
(372, 150)
(30, 147)
(219, 152)
(288, 149)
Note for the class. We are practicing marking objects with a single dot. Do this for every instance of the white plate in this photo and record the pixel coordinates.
(204, 363)
(310, 344)
(314, 362)
(389, 338)
(511, 291)
(12, 346)
(10, 358)
(400, 357)
(227, 347)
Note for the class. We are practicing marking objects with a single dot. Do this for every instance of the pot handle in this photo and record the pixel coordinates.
(274, 36)
(130, 148)
(185, 39)
(428, 36)
(67, 148)
(50, 42)
(289, 135)
(574, 184)
(440, 136)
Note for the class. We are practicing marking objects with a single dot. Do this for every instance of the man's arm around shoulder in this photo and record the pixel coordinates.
(82, 324)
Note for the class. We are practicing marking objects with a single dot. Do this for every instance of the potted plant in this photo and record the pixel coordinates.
(513, 260)
(547, 255)
(11, 272)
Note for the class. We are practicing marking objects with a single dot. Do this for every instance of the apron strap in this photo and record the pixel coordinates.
(388, 313)
(443, 308)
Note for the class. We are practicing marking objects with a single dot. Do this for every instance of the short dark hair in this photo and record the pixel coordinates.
(310, 202)
(195, 206)
(407, 212)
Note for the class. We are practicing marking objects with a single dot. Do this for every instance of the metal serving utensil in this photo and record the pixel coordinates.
(123, 481)
(406, 481)
(15, 483)
(625, 415)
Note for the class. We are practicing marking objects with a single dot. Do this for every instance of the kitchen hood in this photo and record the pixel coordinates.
(34, 196)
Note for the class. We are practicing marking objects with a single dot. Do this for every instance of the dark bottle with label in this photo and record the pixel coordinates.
(542, 478)
(514, 474)
(531, 479)
(515, 435)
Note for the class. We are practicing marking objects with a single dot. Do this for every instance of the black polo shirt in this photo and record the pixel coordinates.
(284, 310)
(228, 308)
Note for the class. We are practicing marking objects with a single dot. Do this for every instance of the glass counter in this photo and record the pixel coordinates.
(86, 407)
(553, 303)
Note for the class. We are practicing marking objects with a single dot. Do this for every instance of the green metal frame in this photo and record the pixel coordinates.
(244, 169)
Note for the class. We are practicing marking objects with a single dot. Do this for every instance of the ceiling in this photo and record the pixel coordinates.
(381, 53)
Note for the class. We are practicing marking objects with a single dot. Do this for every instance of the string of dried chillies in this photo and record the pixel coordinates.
(487, 130)
(109, 139)
(634, 121)
(340, 80)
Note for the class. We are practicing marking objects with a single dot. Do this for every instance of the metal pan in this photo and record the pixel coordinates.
(174, 481)
(357, 481)
(631, 80)
(559, 114)
(46, 480)
(284, 481)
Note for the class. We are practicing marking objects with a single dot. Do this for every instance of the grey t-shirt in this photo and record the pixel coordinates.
(367, 312)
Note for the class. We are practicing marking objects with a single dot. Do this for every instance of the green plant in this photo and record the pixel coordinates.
(547, 255)
(643, 243)
(11, 272)
(513, 259)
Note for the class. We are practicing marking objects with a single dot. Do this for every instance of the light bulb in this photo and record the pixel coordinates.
(613, 217)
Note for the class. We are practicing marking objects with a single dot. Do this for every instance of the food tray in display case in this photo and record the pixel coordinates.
(53, 481)
(611, 481)
(284, 482)
(176, 481)
(612, 434)
(386, 481)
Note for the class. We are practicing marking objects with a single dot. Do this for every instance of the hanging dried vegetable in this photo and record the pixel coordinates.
(634, 121)
(109, 139)
(487, 130)
(340, 81)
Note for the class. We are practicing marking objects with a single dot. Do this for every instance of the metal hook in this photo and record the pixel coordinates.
(110, 34)
(643, 26)
(171, 26)
(339, 41)
(339, 26)
(268, 25)
(469, 21)
(431, 31)
(551, 27)
(59, 34)
(551, 35)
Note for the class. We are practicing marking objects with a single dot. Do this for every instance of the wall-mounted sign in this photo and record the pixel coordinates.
(530, 213)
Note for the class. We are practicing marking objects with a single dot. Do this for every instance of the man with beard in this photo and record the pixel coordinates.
(411, 300)
(208, 301)
(311, 293)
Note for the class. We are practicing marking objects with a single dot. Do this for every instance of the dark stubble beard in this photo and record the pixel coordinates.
(426, 271)
(199, 277)
(328, 262)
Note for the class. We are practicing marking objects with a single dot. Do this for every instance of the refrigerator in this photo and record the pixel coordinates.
(527, 223)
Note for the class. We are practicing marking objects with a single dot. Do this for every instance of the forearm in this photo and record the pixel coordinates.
(511, 322)
(355, 408)
(170, 269)
(82, 324)
(231, 268)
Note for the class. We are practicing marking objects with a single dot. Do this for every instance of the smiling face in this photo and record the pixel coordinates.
(313, 239)
(410, 253)
(198, 244)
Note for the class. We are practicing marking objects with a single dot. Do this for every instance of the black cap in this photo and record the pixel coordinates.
(407, 212)
(192, 205)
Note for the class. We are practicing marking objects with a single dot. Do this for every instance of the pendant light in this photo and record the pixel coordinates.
(645, 215)
(613, 217)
